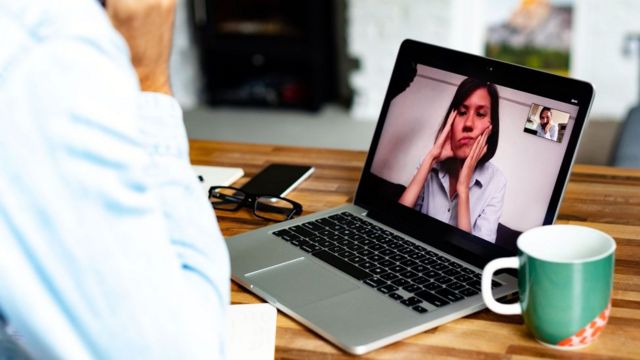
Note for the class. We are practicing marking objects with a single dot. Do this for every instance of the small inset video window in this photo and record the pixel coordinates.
(546, 122)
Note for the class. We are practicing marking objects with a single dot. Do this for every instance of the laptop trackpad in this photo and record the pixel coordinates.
(300, 282)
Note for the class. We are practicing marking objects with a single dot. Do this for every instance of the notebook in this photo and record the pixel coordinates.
(216, 175)
(468, 152)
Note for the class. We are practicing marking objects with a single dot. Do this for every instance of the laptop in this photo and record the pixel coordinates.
(407, 255)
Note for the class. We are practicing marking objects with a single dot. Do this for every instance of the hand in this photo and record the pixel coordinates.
(147, 26)
(478, 150)
(441, 150)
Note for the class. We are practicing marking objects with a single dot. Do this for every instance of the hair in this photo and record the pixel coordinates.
(546, 109)
(467, 87)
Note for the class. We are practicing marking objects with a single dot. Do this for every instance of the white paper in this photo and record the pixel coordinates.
(252, 333)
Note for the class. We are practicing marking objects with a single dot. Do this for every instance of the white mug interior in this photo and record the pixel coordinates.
(566, 243)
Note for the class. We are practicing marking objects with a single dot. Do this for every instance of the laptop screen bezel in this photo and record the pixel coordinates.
(431, 231)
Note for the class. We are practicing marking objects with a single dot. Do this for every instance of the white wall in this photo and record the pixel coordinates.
(597, 53)
(375, 29)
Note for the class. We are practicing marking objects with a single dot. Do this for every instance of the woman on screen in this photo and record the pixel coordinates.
(455, 182)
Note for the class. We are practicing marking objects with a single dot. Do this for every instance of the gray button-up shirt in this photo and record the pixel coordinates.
(486, 198)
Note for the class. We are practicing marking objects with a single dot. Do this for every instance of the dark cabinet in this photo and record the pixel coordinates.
(277, 53)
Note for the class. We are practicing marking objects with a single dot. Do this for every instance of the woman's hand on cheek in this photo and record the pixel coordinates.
(441, 150)
(478, 150)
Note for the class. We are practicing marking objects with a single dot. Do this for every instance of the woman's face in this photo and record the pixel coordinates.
(472, 118)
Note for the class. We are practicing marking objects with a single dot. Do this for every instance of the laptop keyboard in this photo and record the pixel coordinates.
(398, 268)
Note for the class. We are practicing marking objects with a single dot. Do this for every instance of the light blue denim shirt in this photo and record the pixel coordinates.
(486, 199)
(108, 247)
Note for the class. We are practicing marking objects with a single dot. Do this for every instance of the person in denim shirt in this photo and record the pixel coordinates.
(108, 246)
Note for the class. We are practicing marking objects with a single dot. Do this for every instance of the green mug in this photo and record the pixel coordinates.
(565, 280)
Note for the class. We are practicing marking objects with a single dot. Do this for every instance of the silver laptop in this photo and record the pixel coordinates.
(468, 153)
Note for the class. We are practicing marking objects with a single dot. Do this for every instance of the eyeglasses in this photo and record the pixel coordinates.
(272, 208)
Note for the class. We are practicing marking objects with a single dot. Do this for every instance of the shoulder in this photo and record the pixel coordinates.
(64, 24)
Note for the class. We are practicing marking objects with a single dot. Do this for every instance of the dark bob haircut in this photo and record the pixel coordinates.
(467, 87)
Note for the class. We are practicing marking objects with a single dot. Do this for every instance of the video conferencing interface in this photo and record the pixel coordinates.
(479, 156)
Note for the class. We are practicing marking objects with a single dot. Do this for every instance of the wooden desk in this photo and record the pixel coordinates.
(601, 197)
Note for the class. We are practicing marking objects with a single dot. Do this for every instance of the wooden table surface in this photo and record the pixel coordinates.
(601, 197)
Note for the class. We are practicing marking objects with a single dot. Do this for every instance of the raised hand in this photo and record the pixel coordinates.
(478, 150)
(147, 26)
(441, 149)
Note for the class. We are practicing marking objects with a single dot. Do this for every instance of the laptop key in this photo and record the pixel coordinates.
(474, 284)
(431, 274)
(346, 254)
(419, 268)
(357, 259)
(401, 282)
(309, 248)
(398, 258)
(376, 258)
(299, 242)
(432, 286)
(412, 288)
(467, 271)
(408, 274)
(397, 269)
(325, 232)
(468, 292)
(408, 263)
(313, 226)
(366, 265)
(290, 237)
(431, 298)
(451, 272)
(396, 296)
(463, 278)
(365, 252)
(385, 289)
(335, 249)
(374, 282)
(354, 247)
(386, 263)
(378, 270)
(389, 276)
(386, 252)
(417, 256)
(428, 261)
(342, 265)
(439, 267)
(420, 280)
(326, 243)
(304, 232)
(411, 301)
(455, 286)
(420, 309)
(406, 251)
(279, 233)
(376, 247)
(443, 280)
(449, 295)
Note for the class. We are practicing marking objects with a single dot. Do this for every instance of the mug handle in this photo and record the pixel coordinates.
(487, 294)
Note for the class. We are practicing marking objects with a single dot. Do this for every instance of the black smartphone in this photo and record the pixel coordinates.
(277, 179)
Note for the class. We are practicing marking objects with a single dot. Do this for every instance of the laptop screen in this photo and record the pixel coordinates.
(474, 152)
